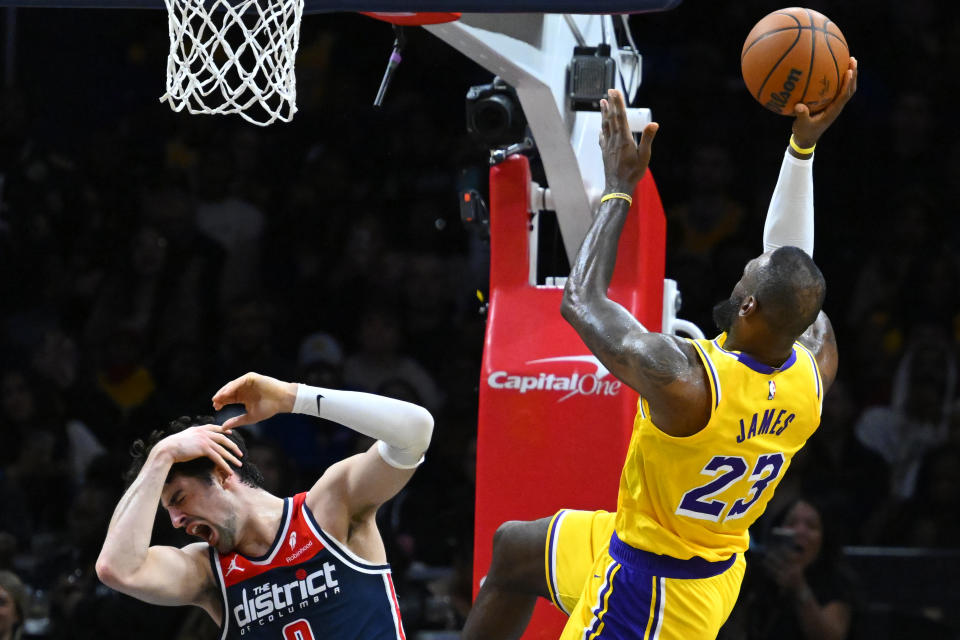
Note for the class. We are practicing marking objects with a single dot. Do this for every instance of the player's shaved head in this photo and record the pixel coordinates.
(789, 290)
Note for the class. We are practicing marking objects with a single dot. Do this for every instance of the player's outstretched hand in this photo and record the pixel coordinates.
(624, 161)
(808, 128)
(208, 440)
(261, 396)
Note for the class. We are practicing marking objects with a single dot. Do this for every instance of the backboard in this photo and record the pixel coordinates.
(472, 6)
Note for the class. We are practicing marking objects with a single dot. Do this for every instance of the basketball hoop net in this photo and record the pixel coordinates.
(234, 56)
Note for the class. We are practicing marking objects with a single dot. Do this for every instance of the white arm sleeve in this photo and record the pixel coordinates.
(403, 429)
(790, 216)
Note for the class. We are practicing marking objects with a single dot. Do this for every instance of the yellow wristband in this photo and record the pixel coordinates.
(798, 148)
(622, 196)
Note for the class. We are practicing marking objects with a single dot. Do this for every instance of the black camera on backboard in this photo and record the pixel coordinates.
(494, 116)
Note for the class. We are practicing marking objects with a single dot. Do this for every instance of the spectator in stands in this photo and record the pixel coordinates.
(918, 416)
(320, 361)
(795, 587)
(278, 470)
(932, 517)
(302, 446)
(184, 378)
(225, 217)
(13, 601)
(913, 126)
(382, 357)
(36, 479)
(8, 549)
(69, 570)
(844, 476)
(189, 282)
(710, 215)
(428, 312)
(125, 385)
(133, 291)
(248, 341)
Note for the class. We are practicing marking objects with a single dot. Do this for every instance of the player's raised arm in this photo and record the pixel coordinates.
(790, 219)
(360, 483)
(158, 574)
(657, 366)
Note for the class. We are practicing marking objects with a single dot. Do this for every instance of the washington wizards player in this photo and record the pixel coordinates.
(310, 566)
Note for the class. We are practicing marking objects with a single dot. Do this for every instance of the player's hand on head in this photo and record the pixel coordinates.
(807, 127)
(261, 396)
(209, 440)
(624, 161)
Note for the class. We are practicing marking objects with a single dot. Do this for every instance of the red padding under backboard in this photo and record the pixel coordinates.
(413, 19)
(553, 424)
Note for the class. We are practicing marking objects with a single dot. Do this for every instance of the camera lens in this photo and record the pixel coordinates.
(492, 115)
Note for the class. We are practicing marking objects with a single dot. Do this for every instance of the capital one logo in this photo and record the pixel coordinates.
(589, 384)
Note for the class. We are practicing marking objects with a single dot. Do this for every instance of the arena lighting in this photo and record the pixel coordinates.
(494, 116)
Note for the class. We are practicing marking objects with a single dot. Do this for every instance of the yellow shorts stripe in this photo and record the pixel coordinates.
(653, 609)
(550, 551)
(603, 603)
(660, 593)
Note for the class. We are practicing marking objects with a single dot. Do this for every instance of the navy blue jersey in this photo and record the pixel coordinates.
(307, 586)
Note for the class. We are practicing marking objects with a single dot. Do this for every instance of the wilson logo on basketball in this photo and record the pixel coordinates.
(779, 100)
(583, 384)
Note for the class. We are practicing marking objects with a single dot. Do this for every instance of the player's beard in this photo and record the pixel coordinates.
(725, 311)
(227, 534)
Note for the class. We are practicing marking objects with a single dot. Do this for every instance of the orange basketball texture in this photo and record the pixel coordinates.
(794, 55)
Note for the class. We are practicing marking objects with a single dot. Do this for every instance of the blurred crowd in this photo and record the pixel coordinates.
(146, 258)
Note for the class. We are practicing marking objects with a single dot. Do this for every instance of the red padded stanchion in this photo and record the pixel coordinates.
(554, 424)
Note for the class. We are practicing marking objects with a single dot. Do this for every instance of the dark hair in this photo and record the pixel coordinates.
(831, 550)
(791, 290)
(201, 467)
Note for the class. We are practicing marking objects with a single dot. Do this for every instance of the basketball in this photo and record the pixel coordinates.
(794, 55)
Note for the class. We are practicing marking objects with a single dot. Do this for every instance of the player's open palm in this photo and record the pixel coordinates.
(261, 396)
(624, 161)
(208, 440)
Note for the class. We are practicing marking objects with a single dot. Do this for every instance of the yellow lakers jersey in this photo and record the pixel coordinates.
(697, 495)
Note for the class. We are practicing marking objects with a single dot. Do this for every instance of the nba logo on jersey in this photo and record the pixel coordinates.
(773, 390)
(293, 540)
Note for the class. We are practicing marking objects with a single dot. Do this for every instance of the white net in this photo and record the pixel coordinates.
(234, 56)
